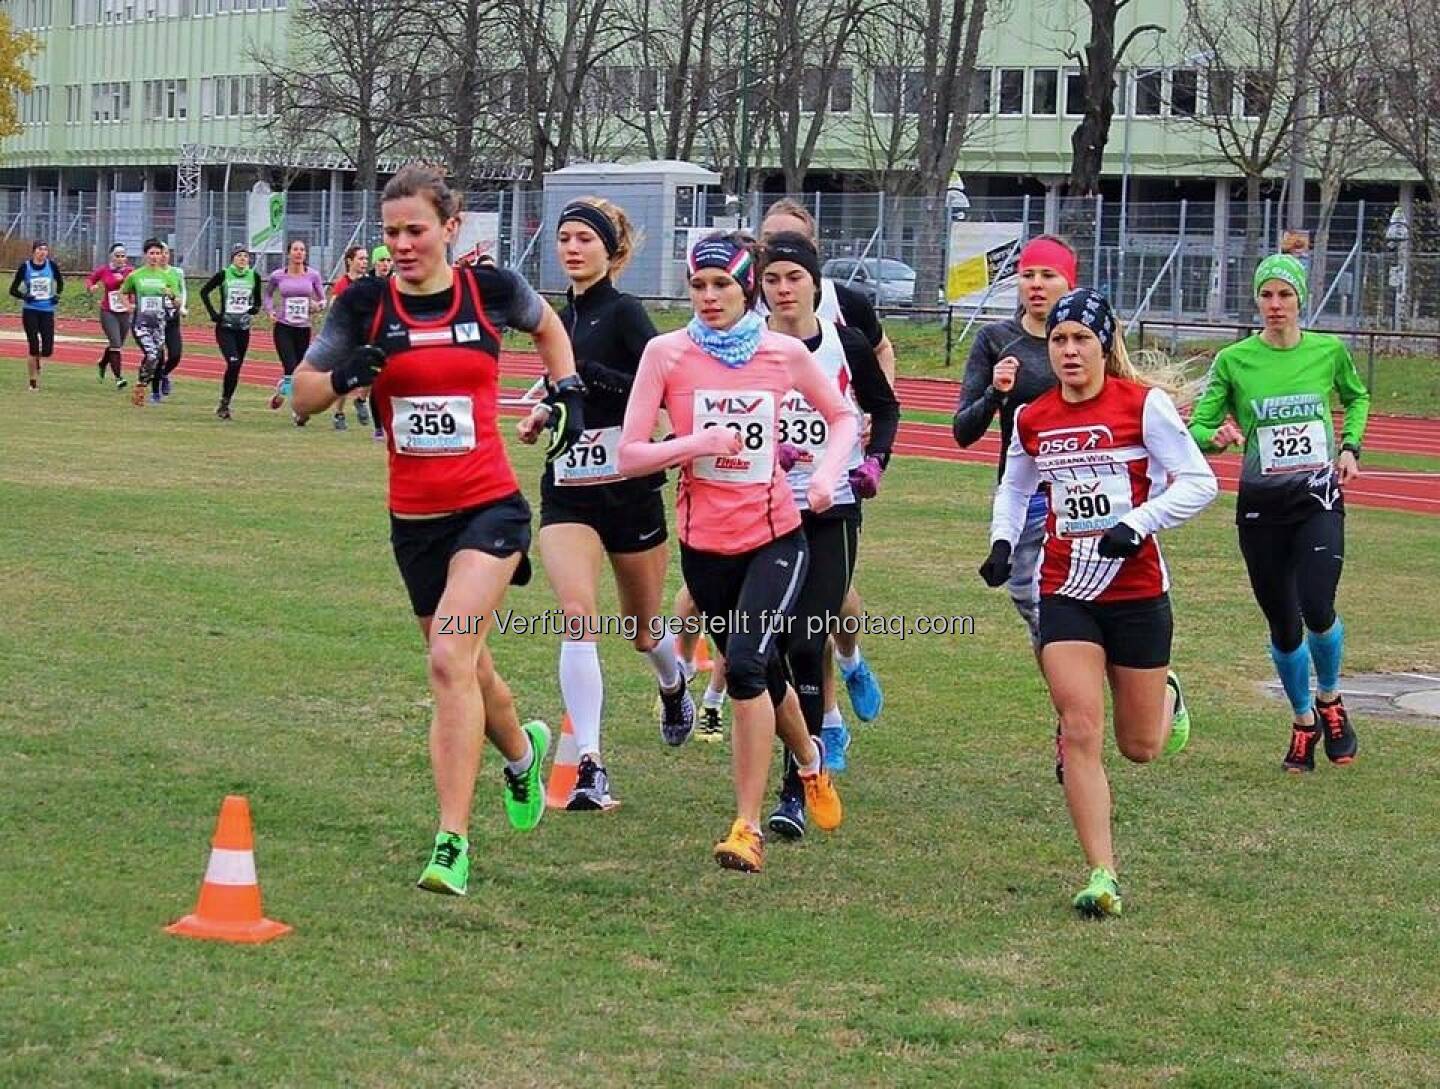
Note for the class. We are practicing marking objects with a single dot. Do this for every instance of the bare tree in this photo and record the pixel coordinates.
(1402, 48)
(1098, 64)
(349, 67)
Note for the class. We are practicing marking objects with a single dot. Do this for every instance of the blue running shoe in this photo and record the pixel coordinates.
(836, 740)
(156, 399)
(165, 387)
(788, 820)
(864, 689)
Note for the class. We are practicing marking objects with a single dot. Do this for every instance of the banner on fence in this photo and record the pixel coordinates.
(977, 260)
(128, 223)
(479, 233)
(265, 219)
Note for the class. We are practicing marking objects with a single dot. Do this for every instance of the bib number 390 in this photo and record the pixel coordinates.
(1087, 508)
(751, 415)
(429, 426)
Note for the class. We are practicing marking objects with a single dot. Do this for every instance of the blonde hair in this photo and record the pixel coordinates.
(1150, 367)
(627, 236)
(788, 206)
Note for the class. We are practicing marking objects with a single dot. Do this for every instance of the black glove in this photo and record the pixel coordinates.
(362, 368)
(567, 416)
(603, 379)
(1120, 542)
(996, 568)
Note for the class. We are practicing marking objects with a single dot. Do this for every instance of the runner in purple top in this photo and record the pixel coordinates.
(300, 292)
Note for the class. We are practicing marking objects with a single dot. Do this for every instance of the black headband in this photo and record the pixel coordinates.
(596, 220)
(789, 246)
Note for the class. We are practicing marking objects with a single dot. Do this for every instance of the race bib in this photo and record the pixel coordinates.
(802, 427)
(1087, 508)
(1293, 448)
(42, 288)
(237, 300)
(751, 415)
(297, 309)
(592, 460)
(152, 304)
(432, 425)
(117, 301)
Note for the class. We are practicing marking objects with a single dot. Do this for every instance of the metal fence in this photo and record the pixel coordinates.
(1165, 260)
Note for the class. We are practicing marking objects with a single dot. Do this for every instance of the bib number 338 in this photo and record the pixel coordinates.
(751, 415)
(429, 426)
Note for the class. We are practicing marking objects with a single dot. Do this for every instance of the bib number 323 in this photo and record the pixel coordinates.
(433, 426)
(751, 415)
(1293, 448)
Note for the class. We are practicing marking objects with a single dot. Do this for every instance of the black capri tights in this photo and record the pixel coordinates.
(1294, 573)
(748, 600)
(291, 343)
(39, 331)
(833, 544)
(233, 343)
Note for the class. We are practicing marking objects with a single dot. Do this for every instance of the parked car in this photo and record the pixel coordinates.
(883, 280)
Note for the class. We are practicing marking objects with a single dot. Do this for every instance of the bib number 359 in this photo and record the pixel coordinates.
(433, 425)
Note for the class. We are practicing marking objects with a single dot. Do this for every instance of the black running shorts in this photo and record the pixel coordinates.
(1135, 634)
(424, 546)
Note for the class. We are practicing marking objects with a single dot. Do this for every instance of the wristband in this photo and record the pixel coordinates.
(1353, 448)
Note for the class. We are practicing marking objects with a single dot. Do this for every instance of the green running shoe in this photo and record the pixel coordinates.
(1180, 724)
(525, 794)
(1099, 898)
(449, 870)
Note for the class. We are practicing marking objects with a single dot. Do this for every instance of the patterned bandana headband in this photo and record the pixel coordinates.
(1283, 267)
(596, 220)
(1090, 309)
(723, 254)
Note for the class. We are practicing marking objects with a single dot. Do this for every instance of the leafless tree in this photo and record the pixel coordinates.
(1401, 43)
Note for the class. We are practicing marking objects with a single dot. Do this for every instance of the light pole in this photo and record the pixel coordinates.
(741, 168)
(1296, 211)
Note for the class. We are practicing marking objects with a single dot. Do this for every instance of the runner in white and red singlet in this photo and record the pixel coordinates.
(1104, 442)
(428, 340)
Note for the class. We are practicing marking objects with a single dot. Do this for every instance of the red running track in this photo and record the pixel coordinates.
(1416, 492)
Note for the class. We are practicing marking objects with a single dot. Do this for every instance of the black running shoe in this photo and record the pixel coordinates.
(104, 366)
(223, 411)
(677, 715)
(592, 787)
(1301, 754)
(711, 729)
(788, 820)
(1340, 740)
(1059, 755)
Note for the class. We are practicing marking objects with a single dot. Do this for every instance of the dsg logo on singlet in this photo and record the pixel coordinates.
(1074, 440)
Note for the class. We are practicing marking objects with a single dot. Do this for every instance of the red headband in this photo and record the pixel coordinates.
(1047, 253)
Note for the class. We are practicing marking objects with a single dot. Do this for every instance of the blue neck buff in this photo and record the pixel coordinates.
(733, 346)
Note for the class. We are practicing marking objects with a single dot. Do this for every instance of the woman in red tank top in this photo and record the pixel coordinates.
(427, 340)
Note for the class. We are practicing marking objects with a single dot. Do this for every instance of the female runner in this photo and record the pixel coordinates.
(1105, 442)
(428, 342)
(1291, 509)
(588, 512)
(721, 380)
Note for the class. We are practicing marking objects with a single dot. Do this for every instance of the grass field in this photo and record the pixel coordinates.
(193, 610)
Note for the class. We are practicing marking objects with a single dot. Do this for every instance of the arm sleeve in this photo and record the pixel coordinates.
(17, 285)
(271, 287)
(509, 299)
(206, 291)
(873, 393)
(978, 401)
(1012, 497)
(1192, 481)
(94, 277)
(183, 293)
(1212, 406)
(859, 312)
(317, 286)
(637, 455)
(344, 330)
(636, 327)
(127, 285)
(59, 280)
(1353, 395)
(255, 292)
(824, 395)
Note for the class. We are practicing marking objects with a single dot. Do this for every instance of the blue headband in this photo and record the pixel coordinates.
(723, 254)
(1091, 309)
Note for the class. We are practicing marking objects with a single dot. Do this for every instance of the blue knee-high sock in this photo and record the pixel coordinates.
(1294, 670)
(1327, 648)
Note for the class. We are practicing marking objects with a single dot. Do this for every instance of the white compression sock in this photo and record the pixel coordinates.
(833, 717)
(583, 690)
(852, 660)
(714, 697)
(665, 663)
(521, 766)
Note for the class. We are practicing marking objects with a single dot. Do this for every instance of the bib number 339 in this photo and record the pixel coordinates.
(751, 415)
(430, 426)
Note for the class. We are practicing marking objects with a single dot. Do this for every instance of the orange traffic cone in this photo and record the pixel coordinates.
(703, 661)
(229, 905)
(562, 771)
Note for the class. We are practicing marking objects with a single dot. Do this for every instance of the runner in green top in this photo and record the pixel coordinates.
(154, 292)
(1278, 386)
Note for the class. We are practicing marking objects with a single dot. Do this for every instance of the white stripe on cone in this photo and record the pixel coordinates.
(567, 752)
(229, 867)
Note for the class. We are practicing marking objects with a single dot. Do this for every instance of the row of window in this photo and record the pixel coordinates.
(40, 14)
(168, 99)
(33, 107)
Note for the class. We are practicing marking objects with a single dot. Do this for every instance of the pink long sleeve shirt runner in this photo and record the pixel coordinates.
(729, 504)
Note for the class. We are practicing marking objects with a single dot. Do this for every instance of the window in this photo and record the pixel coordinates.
(165, 99)
(1044, 92)
(1184, 92)
(810, 90)
(1149, 92)
(1255, 95)
(110, 102)
(34, 106)
(1074, 93)
(914, 90)
(842, 90)
(885, 92)
(1222, 92)
(980, 101)
(1012, 91)
(74, 103)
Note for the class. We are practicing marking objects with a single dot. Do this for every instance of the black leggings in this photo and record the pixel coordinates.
(39, 331)
(291, 342)
(1294, 572)
(748, 600)
(173, 345)
(234, 343)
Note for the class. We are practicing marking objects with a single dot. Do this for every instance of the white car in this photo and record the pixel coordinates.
(886, 282)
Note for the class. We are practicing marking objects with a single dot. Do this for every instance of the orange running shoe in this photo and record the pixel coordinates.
(821, 797)
(743, 849)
